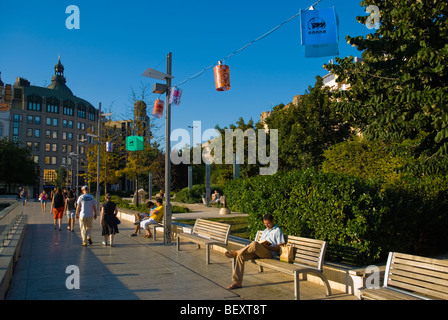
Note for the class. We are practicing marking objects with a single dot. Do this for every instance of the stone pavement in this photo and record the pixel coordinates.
(135, 269)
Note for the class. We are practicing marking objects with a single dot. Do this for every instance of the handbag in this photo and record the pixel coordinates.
(287, 253)
(118, 221)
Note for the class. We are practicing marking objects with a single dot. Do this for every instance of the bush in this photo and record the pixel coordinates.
(195, 194)
(353, 215)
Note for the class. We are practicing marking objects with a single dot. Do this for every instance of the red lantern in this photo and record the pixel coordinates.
(222, 77)
(158, 108)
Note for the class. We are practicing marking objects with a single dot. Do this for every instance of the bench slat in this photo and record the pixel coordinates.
(422, 265)
(431, 292)
(385, 294)
(426, 277)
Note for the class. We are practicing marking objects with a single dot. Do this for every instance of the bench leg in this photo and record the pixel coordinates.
(207, 254)
(296, 285)
(178, 243)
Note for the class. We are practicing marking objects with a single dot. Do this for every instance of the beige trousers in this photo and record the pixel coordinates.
(85, 224)
(253, 251)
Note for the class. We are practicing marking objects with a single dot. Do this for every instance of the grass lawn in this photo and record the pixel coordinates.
(240, 226)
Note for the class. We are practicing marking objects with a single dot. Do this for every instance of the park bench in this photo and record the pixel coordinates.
(209, 233)
(409, 277)
(309, 256)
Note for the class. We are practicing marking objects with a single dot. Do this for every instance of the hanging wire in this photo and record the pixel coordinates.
(247, 45)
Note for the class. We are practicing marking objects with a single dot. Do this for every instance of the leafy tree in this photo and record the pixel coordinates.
(307, 129)
(16, 164)
(399, 90)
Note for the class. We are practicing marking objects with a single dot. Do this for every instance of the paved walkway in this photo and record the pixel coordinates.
(135, 269)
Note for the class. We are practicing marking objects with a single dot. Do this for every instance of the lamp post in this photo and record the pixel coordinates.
(151, 73)
(190, 167)
(98, 189)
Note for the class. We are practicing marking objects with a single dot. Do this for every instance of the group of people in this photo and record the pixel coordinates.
(84, 209)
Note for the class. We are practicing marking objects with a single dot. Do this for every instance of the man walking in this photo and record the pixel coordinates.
(86, 212)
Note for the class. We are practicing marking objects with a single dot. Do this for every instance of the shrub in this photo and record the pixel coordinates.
(352, 214)
(195, 194)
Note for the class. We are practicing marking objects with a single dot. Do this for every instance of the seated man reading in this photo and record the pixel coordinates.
(267, 248)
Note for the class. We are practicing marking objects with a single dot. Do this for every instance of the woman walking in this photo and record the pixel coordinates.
(43, 200)
(70, 209)
(108, 221)
(57, 206)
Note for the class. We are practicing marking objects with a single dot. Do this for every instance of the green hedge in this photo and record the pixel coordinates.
(195, 194)
(361, 221)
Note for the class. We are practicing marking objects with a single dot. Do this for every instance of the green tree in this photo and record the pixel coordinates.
(307, 129)
(399, 90)
(16, 164)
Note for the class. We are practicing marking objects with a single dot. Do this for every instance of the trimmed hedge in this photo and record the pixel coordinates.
(361, 220)
(195, 194)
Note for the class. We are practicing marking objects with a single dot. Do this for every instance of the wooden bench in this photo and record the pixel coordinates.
(409, 277)
(208, 233)
(309, 256)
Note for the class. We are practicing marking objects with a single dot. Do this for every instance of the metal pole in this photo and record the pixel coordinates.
(98, 161)
(168, 210)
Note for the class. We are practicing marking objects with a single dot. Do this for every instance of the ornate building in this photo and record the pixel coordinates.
(53, 123)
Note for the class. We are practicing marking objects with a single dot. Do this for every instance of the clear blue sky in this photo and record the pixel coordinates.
(118, 40)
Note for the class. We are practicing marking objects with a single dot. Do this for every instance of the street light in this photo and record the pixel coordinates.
(151, 73)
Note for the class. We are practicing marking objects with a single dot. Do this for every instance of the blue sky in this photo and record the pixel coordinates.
(117, 41)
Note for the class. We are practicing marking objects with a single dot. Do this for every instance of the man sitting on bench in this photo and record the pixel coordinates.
(145, 220)
(267, 248)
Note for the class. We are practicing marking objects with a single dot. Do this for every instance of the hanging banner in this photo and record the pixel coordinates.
(109, 146)
(319, 32)
(175, 96)
(135, 143)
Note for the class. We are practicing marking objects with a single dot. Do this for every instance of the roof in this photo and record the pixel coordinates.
(58, 92)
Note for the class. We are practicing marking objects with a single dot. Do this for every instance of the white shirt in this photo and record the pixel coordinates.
(86, 203)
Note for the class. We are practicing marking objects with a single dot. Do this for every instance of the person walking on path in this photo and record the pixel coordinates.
(109, 220)
(86, 212)
(70, 209)
(57, 207)
(268, 248)
(24, 196)
(43, 200)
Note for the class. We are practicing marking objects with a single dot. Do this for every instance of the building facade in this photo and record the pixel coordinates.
(53, 123)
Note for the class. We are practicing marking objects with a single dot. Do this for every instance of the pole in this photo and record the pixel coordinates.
(168, 209)
(98, 161)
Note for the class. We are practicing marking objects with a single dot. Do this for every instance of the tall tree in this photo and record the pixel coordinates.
(399, 90)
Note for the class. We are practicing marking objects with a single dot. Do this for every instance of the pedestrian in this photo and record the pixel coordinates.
(70, 209)
(86, 213)
(109, 220)
(43, 197)
(267, 248)
(24, 196)
(57, 207)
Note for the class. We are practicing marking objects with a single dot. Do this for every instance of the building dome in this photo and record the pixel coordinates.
(58, 82)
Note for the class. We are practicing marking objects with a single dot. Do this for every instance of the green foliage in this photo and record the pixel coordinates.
(16, 164)
(195, 194)
(399, 90)
(346, 211)
(363, 159)
(306, 129)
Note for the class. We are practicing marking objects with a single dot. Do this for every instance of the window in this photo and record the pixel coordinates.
(47, 160)
(34, 103)
(29, 132)
(36, 146)
(29, 120)
(70, 136)
(69, 108)
(81, 111)
(64, 135)
(65, 123)
(47, 147)
(36, 159)
(55, 134)
(52, 105)
(55, 122)
(70, 124)
(29, 145)
(37, 120)
(48, 121)
(48, 134)
(54, 147)
(53, 160)
(37, 133)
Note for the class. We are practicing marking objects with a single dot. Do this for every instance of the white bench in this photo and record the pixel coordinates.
(209, 233)
(309, 256)
(409, 277)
